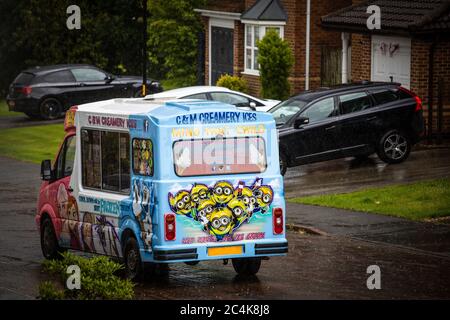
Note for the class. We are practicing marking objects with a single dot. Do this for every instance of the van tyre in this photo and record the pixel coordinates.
(50, 109)
(49, 242)
(394, 147)
(132, 260)
(246, 266)
(283, 163)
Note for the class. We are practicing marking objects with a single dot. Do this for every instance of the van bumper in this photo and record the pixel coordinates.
(167, 254)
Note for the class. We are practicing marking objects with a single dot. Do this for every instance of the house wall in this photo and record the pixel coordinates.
(294, 33)
(420, 59)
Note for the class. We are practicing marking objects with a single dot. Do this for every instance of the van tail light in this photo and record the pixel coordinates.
(278, 222)
(412, 94)
(26, 90)
(169, 226)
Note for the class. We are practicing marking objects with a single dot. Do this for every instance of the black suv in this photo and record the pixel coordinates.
(47, 92)
(349, 120)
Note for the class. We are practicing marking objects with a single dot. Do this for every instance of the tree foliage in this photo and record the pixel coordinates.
(173, 32)
(276, 60)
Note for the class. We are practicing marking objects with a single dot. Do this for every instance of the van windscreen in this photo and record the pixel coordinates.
(218, 156)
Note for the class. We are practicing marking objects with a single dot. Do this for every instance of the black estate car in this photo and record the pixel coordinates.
(47, 92)
(348, 120)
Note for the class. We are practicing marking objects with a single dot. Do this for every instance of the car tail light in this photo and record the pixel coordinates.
(26, 90)
(170, 226)
(277, 215)
(412, 94)
(418, 104)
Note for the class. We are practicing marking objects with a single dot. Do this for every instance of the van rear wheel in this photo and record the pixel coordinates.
(246, 266)
(132, 260)
(49, 243)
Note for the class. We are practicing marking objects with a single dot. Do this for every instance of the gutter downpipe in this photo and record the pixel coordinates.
(430, 91)
(308, 35)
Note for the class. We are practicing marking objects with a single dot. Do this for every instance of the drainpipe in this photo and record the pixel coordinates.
(308, 34)
(430, 91)
(345, 37)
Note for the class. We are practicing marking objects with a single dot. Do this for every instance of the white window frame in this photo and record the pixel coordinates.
(262, 27)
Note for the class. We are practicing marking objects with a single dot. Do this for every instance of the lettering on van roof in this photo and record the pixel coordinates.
(112, 122)
(216, 117)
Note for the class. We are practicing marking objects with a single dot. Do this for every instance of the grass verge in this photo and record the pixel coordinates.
(31, 144)
(415, 201)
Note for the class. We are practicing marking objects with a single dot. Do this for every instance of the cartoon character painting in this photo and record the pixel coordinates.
(222, 208)
(142, 208)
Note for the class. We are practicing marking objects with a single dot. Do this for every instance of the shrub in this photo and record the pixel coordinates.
(275, 59)
(233, 83)
(99, 279)
(48, 291)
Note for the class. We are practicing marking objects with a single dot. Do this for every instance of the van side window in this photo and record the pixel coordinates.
(105, 160)
(66, 159)
(143, 157)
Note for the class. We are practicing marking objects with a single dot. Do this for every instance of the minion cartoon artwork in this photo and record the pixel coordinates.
(204, 211)
(181, 203)
(246, 195)
(200, 193)
(238, 209)
(264, 197)
(223, 192)
(222, 208)
(221, 222)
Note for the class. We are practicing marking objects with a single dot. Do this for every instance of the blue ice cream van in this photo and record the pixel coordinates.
(154, 182)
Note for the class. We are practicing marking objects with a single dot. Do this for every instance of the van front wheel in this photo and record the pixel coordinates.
(49, 243)
(247, 266)
(132, 260)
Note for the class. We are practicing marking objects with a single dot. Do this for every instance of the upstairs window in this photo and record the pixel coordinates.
(253, 33)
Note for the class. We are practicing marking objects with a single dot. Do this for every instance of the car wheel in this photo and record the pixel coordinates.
(132, 260)
(49, 243)
(50, 109)
(394, 147)
(283, 163)
(246, 266)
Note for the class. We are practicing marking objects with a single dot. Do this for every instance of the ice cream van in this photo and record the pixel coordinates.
(155, 182)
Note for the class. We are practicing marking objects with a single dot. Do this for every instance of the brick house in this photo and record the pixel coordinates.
(412, 47)
(231, 28)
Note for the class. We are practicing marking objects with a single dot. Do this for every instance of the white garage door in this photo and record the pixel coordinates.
(391, 57)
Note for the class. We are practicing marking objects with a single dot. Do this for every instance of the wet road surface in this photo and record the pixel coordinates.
(317, 267)
(24, 121)
(346, 175)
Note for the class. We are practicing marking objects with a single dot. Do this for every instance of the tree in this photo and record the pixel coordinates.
(173, 32)
(34, 32)
(276, 60)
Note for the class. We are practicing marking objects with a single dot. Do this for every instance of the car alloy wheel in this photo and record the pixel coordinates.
(50, 109)
(395, 146)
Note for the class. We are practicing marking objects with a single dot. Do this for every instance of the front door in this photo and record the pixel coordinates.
(391, 59)
(221, 52)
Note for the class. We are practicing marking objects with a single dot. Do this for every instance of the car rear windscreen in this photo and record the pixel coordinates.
(24, 78)
(203, 157)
